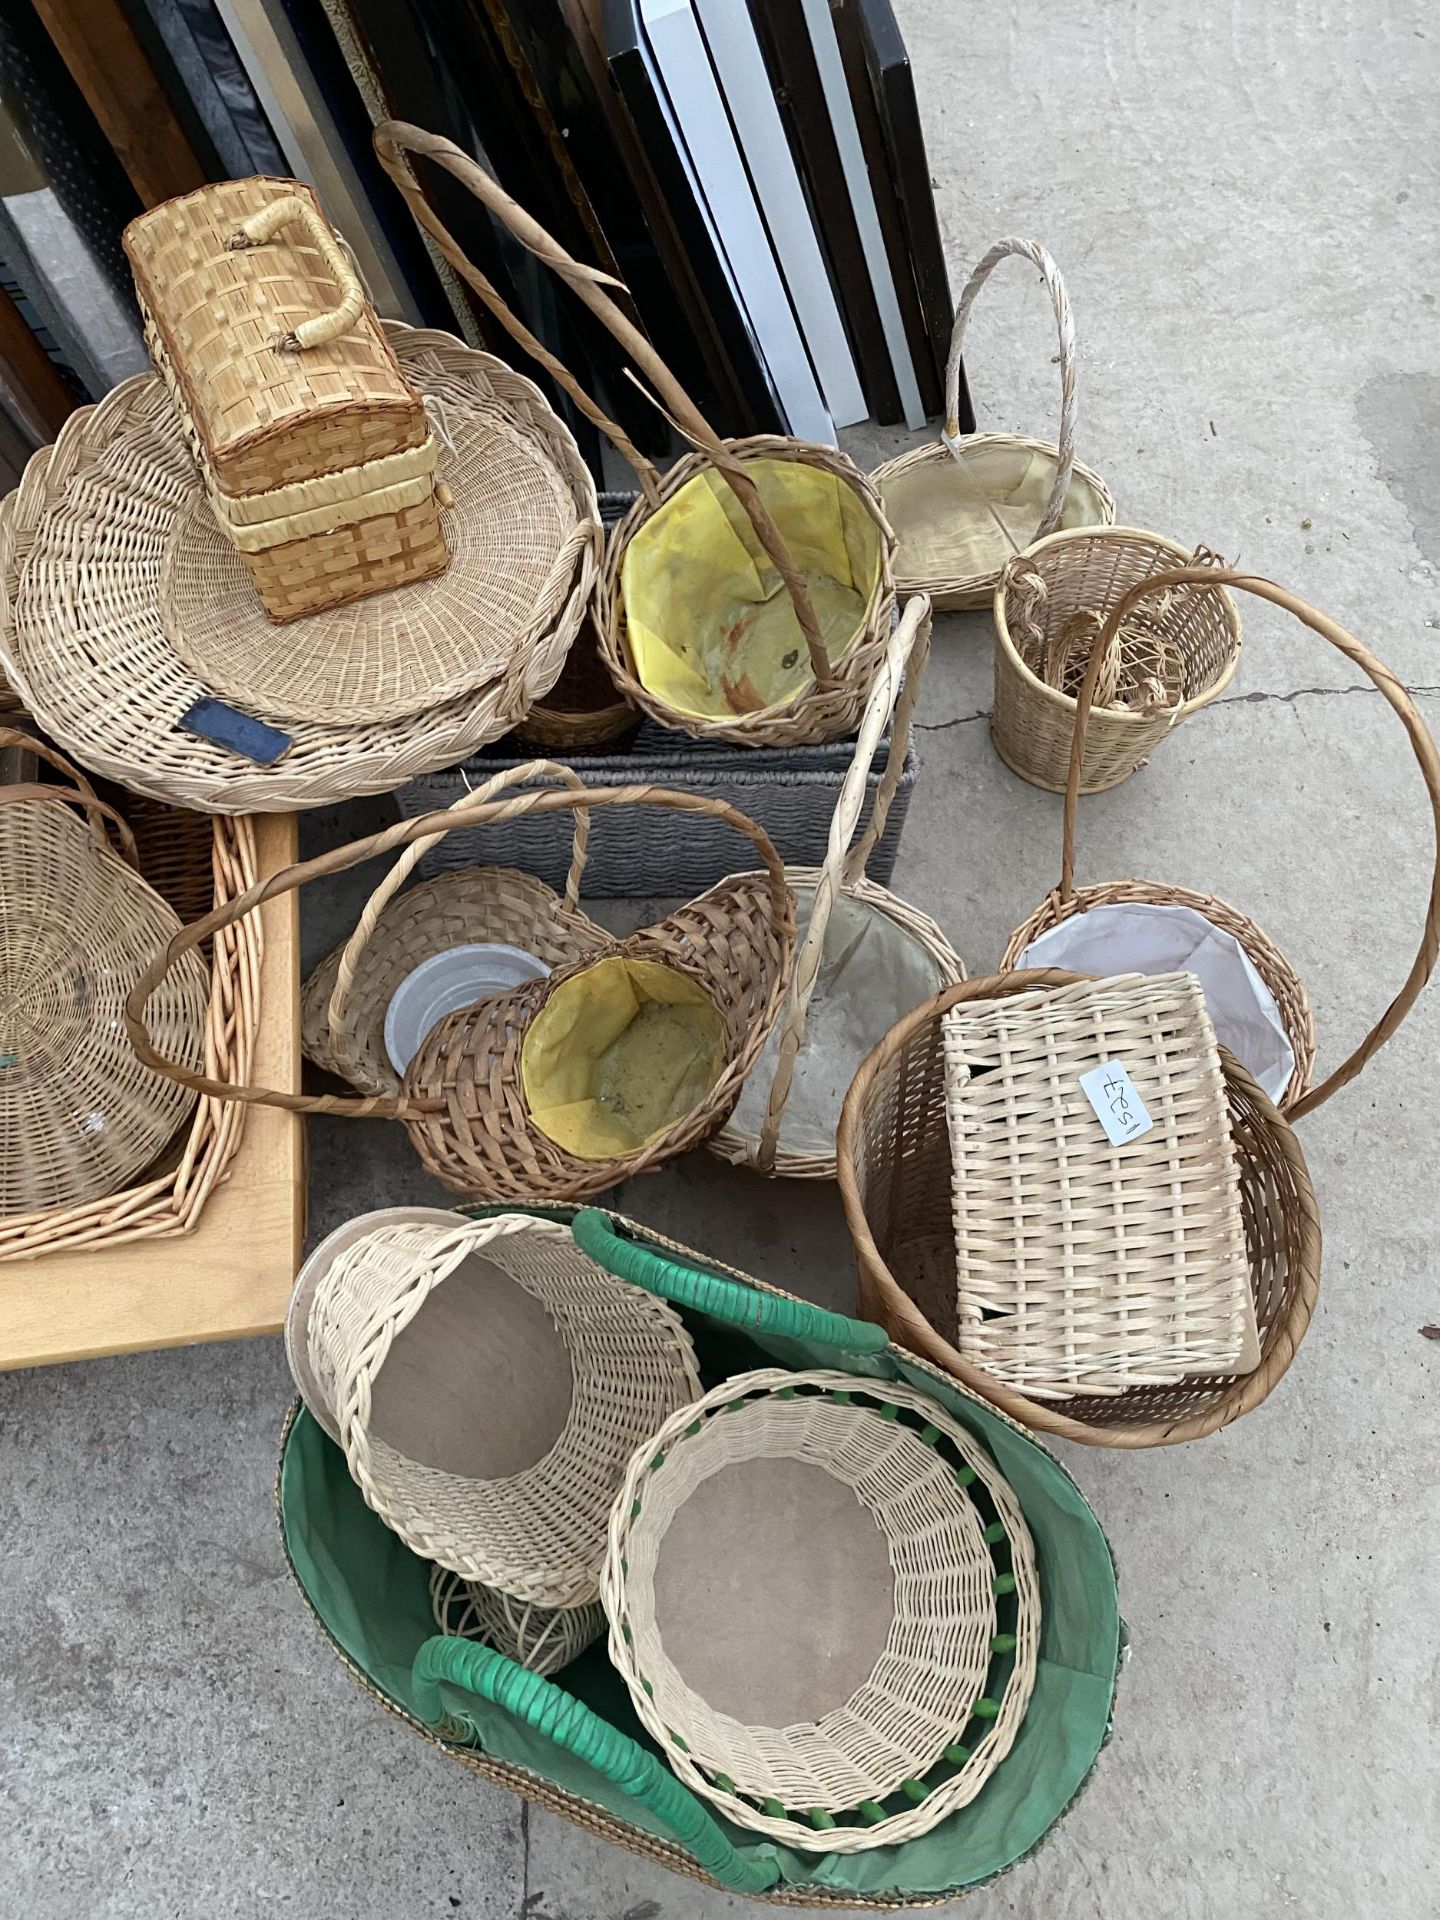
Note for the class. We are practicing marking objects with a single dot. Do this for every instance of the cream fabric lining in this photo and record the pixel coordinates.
(940, 518)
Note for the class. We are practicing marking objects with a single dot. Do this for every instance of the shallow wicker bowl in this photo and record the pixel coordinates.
(890, 1639)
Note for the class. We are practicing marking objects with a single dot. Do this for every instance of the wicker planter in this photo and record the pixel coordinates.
(1049, 604)
(951, 502)
(1284, 984)
(695, 628)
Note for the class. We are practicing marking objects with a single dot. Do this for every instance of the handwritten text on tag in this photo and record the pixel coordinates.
(1118, 1107)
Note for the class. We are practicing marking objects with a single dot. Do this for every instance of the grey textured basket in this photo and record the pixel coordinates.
(640, 852)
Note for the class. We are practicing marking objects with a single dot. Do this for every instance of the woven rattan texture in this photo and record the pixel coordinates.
(895, 1183)
(1041, 594)
(1082, 1267)
(475, 903)
(523, 510)
(919, 1698)
(82, 544)
(265, 416)
(544, 1639)
(538, 1535)
(816, 713)
(79, 1116)
(584, 712)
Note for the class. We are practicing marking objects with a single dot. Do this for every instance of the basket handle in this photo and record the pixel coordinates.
(474, 812)
(1032, 251)
(405, 866)
(730, 1300)
(396, 137)
(78, 792)
(292, 210)
(1395, 692)
(905, 659)
(464, 1666)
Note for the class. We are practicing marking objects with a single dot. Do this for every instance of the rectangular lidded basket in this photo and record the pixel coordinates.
(1082, 1267)
(318, 460)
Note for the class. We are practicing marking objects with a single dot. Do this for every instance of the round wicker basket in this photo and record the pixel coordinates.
(86, 538)
(817, 536)
(489, 1383)
(948, 503)
(1048, 605)
(540, 1639)
(895, 1171)
(1278, 975)
(80, 1117)
(584, 712)
(907, 956)
(344, 1002)
(904, 1683)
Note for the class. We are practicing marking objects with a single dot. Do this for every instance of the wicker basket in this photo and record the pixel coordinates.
(778, 516)
(895, 1169)
(949, 503)
(909, 957)
(852, 1665)
(578, 1749)
(87, 536)
(344, 1002)
(584, 711)
(464, 1102)
(80, 1118)
(1275, 971)
(1048, 605)
(317, 457)
(540, 1639)
(413, 1328)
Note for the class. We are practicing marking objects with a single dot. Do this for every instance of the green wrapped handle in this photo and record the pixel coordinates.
(559, 1717)
(729, 1300)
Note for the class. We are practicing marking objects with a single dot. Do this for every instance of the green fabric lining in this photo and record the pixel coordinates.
(370, 1594)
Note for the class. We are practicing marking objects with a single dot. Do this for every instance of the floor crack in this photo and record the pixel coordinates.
(1302, 693)
(943, 726)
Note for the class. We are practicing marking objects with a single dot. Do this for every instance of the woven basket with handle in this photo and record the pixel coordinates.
(463, 1100)
(1163, 664)
(828, 702)
(842, 879)
(1287, 989)
(953, 505)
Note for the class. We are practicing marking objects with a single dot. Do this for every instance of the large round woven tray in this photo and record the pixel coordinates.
(79, 1115)
(813, 1613)
(83, 542)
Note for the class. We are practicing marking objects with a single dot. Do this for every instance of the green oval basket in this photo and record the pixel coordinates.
(573, 1743)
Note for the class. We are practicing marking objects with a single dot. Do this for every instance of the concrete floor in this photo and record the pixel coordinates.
(1243, 198)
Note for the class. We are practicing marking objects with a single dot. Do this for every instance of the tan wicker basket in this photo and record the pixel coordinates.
(584, 712)
(80, 1117)
(802, 1594)
(317, 457)
(962, 507)
(796, 521)
(541, 1639)
(464, 1102)
(83, 638)
(489, 1383)
(895, 1166)
(909, 955)
(1284, 984)
(1171, 662)
(344, 1002)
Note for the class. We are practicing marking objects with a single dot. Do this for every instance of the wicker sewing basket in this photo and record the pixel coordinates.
(87, 641)
(1048, 606)
(80, 1117)
(754, 1136)
(756, 476)
(1279, 976)
(934, 493)
(318, 460)
(463, 1100)
(895, 1170)
(956, 1663)
(498, 1447)
(577, 1750)
(344, 1002)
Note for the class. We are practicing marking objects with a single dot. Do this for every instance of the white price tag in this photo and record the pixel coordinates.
(1118, 1107)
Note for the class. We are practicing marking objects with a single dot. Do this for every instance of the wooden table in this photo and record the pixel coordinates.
(233, 1274)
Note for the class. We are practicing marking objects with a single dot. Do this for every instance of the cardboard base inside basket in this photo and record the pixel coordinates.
(773, 1592)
